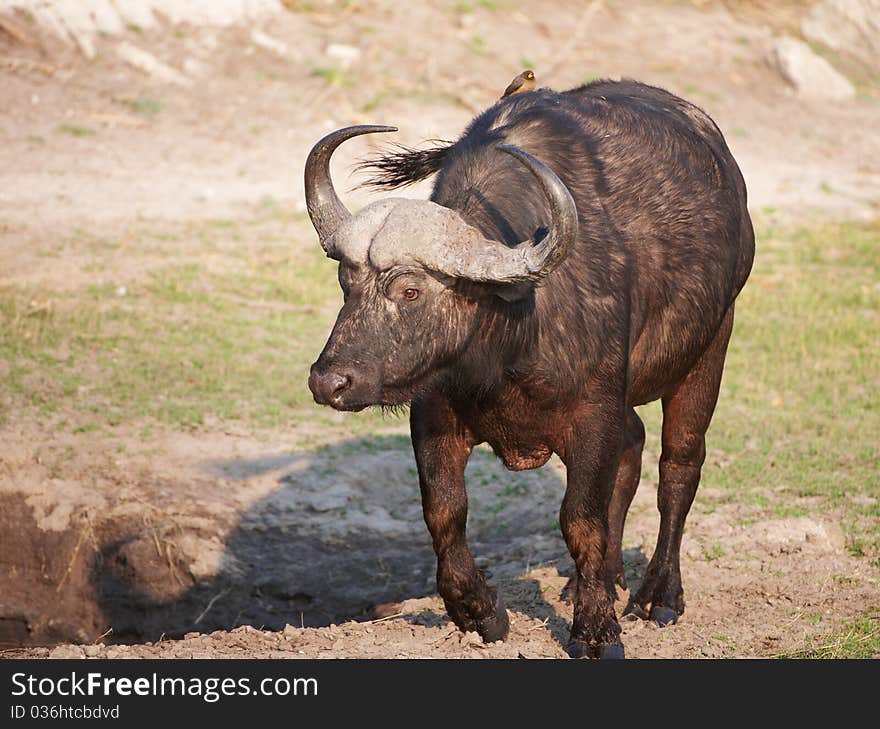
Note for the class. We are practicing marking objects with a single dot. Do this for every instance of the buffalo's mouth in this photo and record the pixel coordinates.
(354, 407)
(387, 397)
(357, 391)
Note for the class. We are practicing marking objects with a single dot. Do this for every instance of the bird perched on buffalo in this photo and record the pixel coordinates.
(523, 82)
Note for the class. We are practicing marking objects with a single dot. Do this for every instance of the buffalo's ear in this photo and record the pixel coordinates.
(507, 291)
(489, 289)
(514, 291)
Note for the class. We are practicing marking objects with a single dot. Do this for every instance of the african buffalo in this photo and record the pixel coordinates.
(579, 256)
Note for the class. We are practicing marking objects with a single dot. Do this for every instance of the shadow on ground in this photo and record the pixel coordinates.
(342, 533)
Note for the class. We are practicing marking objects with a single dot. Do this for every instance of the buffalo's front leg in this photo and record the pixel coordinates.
(442, 447)
(591, 461)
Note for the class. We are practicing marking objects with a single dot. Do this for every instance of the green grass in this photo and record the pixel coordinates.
(144, 105)
(798, 420)
(222, 319)
(299, 6)
(858, 639)
(477, 45)
(233, 339)
(463, 8)
(334, 76)
(76, 130)
(692, 90)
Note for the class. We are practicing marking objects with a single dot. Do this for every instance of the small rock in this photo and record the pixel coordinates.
(135, 13)
(92, 650)
(193, 66)
(268, 43)
(149, 64)
(345, 54)
(796, 532)
(811, 75)
(66, 651)
(470, 639)
(333, 497)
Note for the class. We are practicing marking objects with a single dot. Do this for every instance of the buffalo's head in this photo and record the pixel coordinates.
(414, 275)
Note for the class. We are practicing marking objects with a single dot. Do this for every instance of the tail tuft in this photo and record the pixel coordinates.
(403, 166)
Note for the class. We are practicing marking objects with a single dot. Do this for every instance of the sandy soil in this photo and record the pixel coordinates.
(216, 534)
(342, 526)
(257, 544)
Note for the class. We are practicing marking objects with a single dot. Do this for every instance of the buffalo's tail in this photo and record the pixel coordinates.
(403, 166)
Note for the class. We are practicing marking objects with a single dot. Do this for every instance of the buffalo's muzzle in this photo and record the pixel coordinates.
(328, 387)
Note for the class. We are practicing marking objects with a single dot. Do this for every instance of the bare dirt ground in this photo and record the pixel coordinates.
(342, 525)
(227, 540)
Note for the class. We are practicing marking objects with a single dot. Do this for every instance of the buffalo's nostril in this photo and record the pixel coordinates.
(337, 383)
(329, 386)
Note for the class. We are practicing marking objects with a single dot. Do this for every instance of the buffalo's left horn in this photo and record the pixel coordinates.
(325, 208)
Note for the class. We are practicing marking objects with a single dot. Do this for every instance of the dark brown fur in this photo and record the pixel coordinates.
(641, 310)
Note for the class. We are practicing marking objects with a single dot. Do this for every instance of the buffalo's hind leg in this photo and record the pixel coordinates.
(442, 447)
(628, 473)
(687, 411)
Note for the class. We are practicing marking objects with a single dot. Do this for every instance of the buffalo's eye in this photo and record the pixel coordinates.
(410, 294)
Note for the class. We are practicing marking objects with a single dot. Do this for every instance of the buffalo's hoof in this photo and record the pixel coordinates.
(602, 651)
(495, 627)
(635, 610)
(579, 649)
(663, 616)
(609, 651)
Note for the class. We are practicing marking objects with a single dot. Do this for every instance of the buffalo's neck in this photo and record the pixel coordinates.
(550, 345)
(502, 346)
(504, 351)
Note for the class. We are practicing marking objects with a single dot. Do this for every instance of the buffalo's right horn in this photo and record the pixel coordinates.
(540, 259)
(325, 208)
(468, 254)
